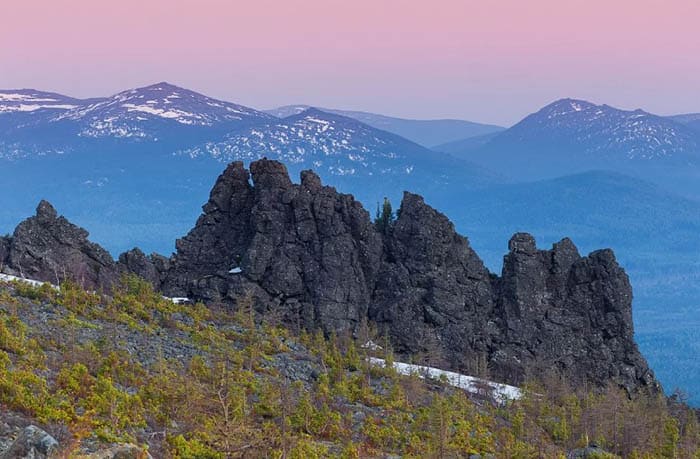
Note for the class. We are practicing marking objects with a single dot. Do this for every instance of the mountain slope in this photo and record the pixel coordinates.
(129, 113)
(31, 100)
(339, 146)
(573, 135)
(423, 132)
(35, 123)
(167, 377)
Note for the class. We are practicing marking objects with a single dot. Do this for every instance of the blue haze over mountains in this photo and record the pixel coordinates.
(135, 168)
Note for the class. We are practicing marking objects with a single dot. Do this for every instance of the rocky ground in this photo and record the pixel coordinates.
(133, 375)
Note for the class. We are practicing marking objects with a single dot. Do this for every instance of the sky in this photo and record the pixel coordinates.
(491, 61)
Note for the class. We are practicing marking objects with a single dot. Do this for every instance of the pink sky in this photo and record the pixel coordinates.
(489, 60)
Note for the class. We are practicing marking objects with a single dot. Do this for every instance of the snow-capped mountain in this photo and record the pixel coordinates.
(423, 132)
(30, 100)
(333, 144)
(580, 127)
(570, 136)
(142, 112)
(36, 123)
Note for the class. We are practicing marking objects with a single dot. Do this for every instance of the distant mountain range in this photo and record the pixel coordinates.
(572, 135)
(336, 145)
(428, 133)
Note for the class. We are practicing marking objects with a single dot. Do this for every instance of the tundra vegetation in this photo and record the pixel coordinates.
(95, 369)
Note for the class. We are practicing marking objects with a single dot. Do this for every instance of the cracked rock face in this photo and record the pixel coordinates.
(49, 248)
(433, 288)
(313, 257)
(32, 443)
(4, 251)
(149, 267)
(567, 313)
(304, 250)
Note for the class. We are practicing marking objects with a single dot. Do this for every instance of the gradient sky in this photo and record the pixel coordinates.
(490, 60)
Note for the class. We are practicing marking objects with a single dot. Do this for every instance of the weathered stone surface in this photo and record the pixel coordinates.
(571, 314)
(313, 254)
(151, 268)
(589, 452)
(304, 250)
(125, 451)
(433, 290)
(32, 443)
(49, 248)
(4, 251)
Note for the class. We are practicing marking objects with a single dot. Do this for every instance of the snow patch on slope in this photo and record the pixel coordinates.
(500, 392)
(32, 282)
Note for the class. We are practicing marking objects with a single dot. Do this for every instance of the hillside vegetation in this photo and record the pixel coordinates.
(196, 381)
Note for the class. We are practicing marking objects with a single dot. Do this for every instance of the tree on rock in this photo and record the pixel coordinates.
(385, 217)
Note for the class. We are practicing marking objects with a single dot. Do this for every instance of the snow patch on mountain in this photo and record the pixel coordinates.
(27, 100)
(339, 145)
(127, 114)
(600, 129)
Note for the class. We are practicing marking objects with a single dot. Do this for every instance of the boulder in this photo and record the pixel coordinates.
(125, 451)
(32, 443)
(589, 452)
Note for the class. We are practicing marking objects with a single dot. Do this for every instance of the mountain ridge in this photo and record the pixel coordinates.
(600, 132)
(426, 132)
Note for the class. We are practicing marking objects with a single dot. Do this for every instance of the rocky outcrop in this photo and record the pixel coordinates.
(312, 254)
(560, 311)
(32, 443)
(433, 291)
(124, 451)
(303, 250)
(589, 452)
(49, 248)
(151, 268)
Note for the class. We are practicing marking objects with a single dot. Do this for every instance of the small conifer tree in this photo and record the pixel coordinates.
(385, 217)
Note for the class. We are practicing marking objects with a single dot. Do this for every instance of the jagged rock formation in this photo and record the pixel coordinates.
(433, 291)
(304, 250)
(569, 313)
(312, 255)
(50, 248)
